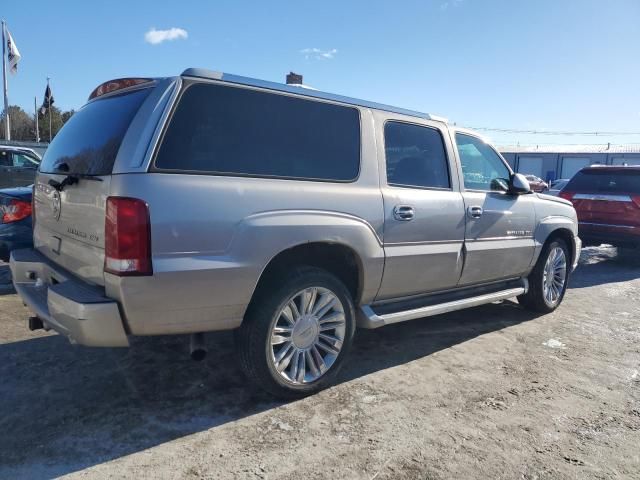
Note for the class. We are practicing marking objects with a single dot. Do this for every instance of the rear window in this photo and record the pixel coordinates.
(236, 131)
(89, 142)
(604, 180)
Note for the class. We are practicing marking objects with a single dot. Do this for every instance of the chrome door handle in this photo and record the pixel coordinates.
(474, 212)
(404, 213)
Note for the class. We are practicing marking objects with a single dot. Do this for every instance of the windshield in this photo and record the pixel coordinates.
(89, 142)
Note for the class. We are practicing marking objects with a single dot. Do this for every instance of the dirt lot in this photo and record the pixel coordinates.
(492, 392)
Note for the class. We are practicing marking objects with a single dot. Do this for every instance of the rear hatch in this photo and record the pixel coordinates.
(74, 182)
(606, 196)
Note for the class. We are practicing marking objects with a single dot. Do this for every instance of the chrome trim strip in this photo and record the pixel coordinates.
(605, 225)
(597, 196)
(491, 239)
(369, 319)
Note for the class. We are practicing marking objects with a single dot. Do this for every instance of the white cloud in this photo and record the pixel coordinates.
(318, 54)
(154, 37)
(450, 3)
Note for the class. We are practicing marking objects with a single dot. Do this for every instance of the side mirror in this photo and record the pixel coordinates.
(518, 184)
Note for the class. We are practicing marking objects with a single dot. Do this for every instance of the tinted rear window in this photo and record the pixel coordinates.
(237, 131)
(601, 180)
(89, 142)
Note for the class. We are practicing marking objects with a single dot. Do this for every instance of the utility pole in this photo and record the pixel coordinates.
(49, 107)
(7, 129)
(35, 110)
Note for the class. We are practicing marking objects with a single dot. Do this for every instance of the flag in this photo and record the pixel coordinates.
(13, 55)
(48, 100)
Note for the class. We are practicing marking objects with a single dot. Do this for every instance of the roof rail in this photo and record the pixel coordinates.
(253, 82)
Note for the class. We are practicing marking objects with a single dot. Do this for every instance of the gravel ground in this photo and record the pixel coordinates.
(492, 392)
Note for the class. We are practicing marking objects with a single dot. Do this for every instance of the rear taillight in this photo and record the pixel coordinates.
(636, 199)
(127, 237)
(567, 195)
(15, 211)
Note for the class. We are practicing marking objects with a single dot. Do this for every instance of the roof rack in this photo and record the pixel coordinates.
(253, 82)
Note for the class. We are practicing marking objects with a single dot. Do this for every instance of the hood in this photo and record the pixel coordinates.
(553, 198)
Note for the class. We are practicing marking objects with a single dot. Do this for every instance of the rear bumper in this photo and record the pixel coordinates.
(626, 235)
(73, 308)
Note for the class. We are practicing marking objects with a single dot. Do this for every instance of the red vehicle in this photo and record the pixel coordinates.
(537, 184)
(607, 200)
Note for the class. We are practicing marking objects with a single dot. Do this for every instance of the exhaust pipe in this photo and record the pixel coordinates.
(35, 324)
(198, 348)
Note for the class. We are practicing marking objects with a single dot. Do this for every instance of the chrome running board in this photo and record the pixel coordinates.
(368, 318)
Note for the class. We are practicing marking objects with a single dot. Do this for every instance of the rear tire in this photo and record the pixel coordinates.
(296, 332)
(549, 278)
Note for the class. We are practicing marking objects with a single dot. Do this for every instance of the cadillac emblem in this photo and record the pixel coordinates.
(56, 205)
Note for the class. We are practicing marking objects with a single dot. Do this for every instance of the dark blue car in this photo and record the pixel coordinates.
(15, 220)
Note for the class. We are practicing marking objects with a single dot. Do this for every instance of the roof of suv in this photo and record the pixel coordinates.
(303, 90)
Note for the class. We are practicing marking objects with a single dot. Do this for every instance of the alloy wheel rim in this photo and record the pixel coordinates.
(307, 335)
(555, 276)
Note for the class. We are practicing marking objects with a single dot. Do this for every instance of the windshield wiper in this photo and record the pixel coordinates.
(71, 178)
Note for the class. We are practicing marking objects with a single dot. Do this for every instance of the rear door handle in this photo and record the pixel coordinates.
(404, 213)
(474, 212)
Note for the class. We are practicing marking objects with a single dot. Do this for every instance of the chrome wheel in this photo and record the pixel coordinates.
(307, 335)
(554, 276)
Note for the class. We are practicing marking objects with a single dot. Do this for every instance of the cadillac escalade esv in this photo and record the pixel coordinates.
(210, 201)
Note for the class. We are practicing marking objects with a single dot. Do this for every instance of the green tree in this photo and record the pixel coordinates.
(23, 125)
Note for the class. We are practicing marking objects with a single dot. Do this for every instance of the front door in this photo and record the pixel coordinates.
(424, 212)
(499, 240)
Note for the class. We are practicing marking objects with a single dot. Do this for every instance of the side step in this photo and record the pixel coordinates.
(370, 319)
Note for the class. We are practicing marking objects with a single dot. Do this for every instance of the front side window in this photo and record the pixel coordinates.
(24, 161)
(237, 131)
(481, 165)
(415, 156)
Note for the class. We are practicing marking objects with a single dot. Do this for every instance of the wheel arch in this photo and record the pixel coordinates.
(556, 227)
(339, 259)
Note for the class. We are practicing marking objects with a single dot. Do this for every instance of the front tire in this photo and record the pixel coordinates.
(548, 279)
(296, 333)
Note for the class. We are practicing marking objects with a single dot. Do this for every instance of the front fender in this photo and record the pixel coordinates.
(547, 226)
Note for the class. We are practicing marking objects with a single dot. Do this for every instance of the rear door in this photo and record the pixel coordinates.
(424, 211)
(499, 227)
(70, 221)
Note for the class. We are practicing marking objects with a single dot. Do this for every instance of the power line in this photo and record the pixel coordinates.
(550, 132)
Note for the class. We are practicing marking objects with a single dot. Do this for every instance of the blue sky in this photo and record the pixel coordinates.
(569, 65)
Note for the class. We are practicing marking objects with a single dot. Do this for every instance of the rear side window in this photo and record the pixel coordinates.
(89, 142)
(237, 131)
(605, 181)
(415, 156)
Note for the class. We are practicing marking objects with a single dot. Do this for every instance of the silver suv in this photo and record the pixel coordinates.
(215, 202)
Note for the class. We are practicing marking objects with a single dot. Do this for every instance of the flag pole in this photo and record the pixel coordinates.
(49, 108)
(35, 109)
(7, 130)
